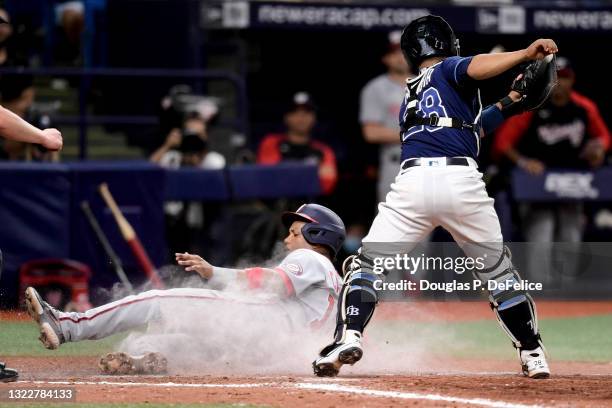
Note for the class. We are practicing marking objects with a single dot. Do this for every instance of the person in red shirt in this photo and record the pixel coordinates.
(297, 143)
(567, 132)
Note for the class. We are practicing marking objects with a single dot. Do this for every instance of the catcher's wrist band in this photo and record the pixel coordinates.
(510, 107)
(492, 117)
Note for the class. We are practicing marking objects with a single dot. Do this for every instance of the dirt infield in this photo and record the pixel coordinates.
(466, 383)
(436, 382)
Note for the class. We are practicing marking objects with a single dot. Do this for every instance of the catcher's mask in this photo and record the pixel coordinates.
(322, 226)
(428, 36)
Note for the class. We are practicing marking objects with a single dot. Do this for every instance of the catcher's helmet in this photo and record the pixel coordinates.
(428, 36)
(323, 226)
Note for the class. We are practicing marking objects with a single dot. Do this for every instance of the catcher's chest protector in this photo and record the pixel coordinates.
(411, 118)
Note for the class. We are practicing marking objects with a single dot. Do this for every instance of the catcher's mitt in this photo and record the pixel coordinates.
(536, 82)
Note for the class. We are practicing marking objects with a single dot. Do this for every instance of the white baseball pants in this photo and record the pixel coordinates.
(434, 194)
(180, 310)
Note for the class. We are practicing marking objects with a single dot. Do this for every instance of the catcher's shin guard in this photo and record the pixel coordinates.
(514, 308)
(356, 305)
(358, 298)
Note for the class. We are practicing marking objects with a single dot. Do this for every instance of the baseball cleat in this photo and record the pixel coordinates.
(336, 355)
(534, 363)
(7, 374)
(122, 364)
(48, 322)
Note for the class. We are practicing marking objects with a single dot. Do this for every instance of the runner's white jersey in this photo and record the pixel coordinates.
(312, 283)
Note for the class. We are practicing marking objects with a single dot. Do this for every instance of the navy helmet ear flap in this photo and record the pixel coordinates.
(328, 236)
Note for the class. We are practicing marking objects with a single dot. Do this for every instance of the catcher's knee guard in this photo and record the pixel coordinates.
(358, 298)
(514, 308)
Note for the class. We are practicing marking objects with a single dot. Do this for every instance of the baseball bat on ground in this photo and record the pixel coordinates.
(108, 249)
(131, 238)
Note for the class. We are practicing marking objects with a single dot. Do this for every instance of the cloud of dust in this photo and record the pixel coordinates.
(238, 333)
(406, 347)
(229, 331)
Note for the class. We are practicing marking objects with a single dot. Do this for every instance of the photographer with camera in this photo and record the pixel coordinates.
(188, 147)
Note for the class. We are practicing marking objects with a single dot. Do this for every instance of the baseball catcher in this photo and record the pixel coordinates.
(298, 293)
(442, 121)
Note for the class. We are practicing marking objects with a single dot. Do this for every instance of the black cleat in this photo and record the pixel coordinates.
(7, 374)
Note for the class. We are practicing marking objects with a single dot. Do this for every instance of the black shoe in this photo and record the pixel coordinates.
(7, 374)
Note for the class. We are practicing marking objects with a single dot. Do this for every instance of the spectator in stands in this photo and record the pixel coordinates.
(567, 132)
(297, 143)
(180, 99)
(379, 112)
(188, 147)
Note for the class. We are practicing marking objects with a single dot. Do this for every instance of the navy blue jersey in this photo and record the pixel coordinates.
(443, 90)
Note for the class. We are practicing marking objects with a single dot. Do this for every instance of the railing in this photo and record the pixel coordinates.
(83, 119)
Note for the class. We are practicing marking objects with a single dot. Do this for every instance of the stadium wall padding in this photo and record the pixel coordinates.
(33, 213)
(41, 217)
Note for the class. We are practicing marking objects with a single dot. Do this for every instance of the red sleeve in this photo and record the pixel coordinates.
(254, 277)
(510, 132)
(268, 152)
(328, 171)
(596, 126)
